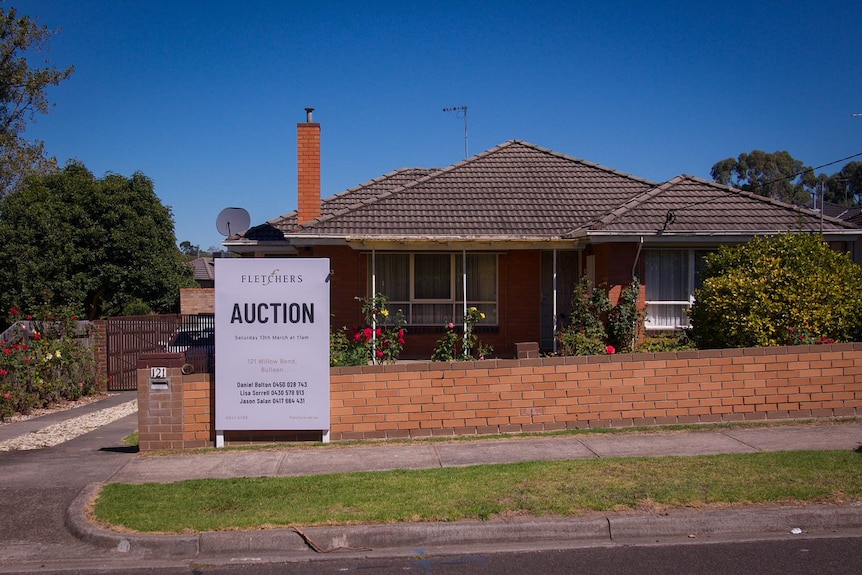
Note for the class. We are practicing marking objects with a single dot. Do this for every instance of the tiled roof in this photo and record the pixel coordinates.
(520, 191)
(851, 214)
(515, 190)
(357, 196)
(204, 269)
(689, 205)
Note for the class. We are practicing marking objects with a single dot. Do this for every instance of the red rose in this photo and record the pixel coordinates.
(379, 353)
(401, 340)
(610, 349)
(368, 333)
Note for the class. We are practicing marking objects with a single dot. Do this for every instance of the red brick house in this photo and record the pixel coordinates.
(515, 227)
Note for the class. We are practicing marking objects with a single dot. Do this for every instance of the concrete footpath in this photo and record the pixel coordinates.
(408, 539)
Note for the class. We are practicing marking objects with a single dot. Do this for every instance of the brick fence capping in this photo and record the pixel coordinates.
(425, 399)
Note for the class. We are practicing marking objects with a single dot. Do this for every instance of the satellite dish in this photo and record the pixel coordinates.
(232, 221)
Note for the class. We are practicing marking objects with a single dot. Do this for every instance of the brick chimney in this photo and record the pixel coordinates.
(308, 169)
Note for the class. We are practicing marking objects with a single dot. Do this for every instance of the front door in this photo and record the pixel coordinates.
(567, 274)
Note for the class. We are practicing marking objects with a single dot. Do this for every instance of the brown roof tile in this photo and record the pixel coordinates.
(519, 190)
(357, 196)
(203, 268)
(689, 205)
(513, 190)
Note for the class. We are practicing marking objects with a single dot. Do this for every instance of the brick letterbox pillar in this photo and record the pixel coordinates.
(160, 401)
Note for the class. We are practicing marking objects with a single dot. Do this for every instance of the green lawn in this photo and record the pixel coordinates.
(561, 488)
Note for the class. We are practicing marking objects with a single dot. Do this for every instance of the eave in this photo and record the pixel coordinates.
(730, 236)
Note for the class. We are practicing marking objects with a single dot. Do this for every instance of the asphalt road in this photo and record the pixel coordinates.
(37, 487)
(797, 556)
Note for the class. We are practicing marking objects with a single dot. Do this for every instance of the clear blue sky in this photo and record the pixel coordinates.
(204, 97)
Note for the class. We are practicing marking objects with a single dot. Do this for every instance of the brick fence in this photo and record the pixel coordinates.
(426, 399)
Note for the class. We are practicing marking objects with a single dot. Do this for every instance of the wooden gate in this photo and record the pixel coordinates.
(130, 336)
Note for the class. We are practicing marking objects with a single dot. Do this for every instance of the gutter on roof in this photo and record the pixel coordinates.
(300, 239)
(249, 246)
(485, 243)
(295, 241)
(676, 237)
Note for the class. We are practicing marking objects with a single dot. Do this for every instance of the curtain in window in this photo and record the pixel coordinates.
(481, 278)
(667, 288)
(481, 285)
(433, 295)
(432, 276)
(393, 276)
(667, 275)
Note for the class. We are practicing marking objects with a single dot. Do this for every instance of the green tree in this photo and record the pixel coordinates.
(777, 175)
(778, 290)
(845, 186)
(95, 246)
(189, 249)
(22, 96)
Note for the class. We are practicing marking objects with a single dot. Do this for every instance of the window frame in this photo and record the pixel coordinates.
(693, 255)
(455, 301)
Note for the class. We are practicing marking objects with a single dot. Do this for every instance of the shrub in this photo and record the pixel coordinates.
(380, 340)
(452, 347)
(44, 362)
(672, 341)
(446, 348)
(779, 290)
(343, 352)
(586, 333)
(597, 327)
(626, 319)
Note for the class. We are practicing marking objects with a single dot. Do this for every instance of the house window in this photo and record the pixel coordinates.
(429, 287)
(671, 278)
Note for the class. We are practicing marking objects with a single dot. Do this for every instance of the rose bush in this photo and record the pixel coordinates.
(380, 340)
(447, 347)
(43, 362)
(596, 327)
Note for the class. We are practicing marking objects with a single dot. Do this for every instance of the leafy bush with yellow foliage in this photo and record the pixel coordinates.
(778, 290)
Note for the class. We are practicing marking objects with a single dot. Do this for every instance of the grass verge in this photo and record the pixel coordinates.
(560, 488)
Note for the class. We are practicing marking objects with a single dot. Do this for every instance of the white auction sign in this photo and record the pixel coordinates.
(271, 344)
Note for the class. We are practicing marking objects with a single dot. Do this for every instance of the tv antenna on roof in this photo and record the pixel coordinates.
(232, 221)
(461, 112)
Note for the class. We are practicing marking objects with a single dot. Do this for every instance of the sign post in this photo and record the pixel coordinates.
(272, 345)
